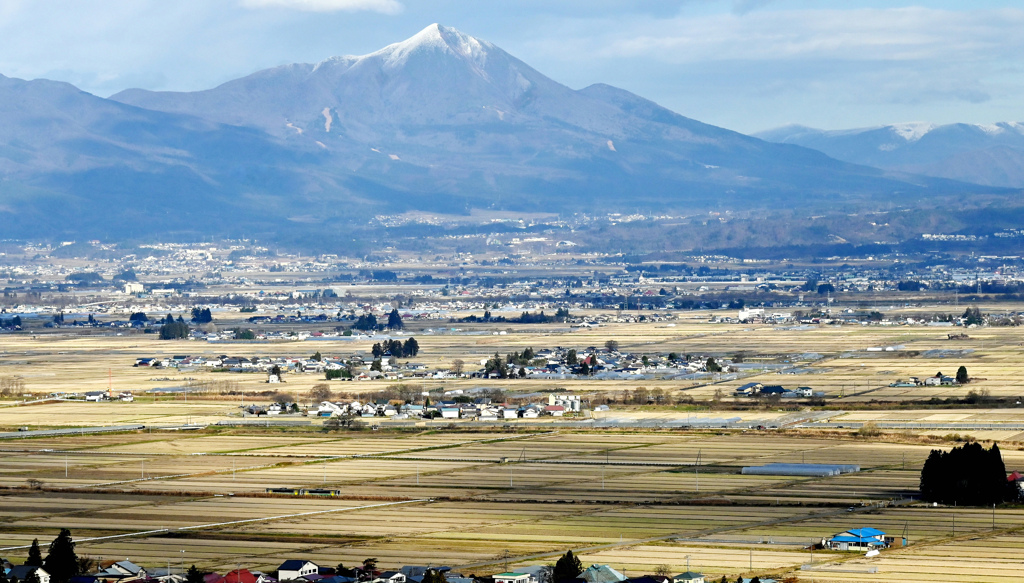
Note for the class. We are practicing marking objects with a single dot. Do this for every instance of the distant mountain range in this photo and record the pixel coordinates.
(983, 154)
(441, 122)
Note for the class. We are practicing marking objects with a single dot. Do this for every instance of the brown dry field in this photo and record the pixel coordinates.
(833, 359)
(457, 504)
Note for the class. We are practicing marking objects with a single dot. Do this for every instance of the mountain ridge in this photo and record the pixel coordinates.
(441, 122)
(988, 154)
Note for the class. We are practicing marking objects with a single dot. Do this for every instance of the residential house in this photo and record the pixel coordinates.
(688, 577)
(241, 576)
(749, 389)
(23, 572)
(857, 539)
(1017, 479)
(122, 571)
(601, 574)
(296, 568)
(390, 577)
(514, 578)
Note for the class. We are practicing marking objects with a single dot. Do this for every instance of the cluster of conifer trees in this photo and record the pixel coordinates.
(396, 348)
(968, 475)
(61, 562)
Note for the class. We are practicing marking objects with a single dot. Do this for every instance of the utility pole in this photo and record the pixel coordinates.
(696, 473)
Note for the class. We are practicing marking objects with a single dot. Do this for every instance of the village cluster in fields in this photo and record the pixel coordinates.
(246, 412)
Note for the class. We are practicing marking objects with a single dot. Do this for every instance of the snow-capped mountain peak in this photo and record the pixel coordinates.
(435, 38)
(912, 131)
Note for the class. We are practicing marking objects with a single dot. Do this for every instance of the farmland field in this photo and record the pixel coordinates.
(635, 500)
(637, 487)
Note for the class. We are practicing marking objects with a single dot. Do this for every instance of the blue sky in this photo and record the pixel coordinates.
(747, 65)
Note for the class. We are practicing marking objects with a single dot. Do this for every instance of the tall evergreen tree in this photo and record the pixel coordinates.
(394, 320)
(35, 556)
(194, 575)
(411, 347)
(567, 567)
(61, 562)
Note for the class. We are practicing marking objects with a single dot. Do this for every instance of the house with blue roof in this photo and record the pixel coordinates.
(858, 539)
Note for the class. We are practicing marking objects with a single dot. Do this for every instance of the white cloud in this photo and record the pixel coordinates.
(896, 34)
(382, 6)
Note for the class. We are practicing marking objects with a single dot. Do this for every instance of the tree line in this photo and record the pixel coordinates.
(966, 475)
(396, 348)
(369, 322)
(561, 315)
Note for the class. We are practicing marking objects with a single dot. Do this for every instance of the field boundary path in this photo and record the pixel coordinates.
(234, 522)
(694, 537)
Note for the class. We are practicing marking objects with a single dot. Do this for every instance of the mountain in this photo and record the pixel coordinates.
(441, 122)
(73, 163)
(983, 154)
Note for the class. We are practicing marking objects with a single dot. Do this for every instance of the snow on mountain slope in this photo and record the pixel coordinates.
(991, 154)
(912, 131)
(439, 122)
